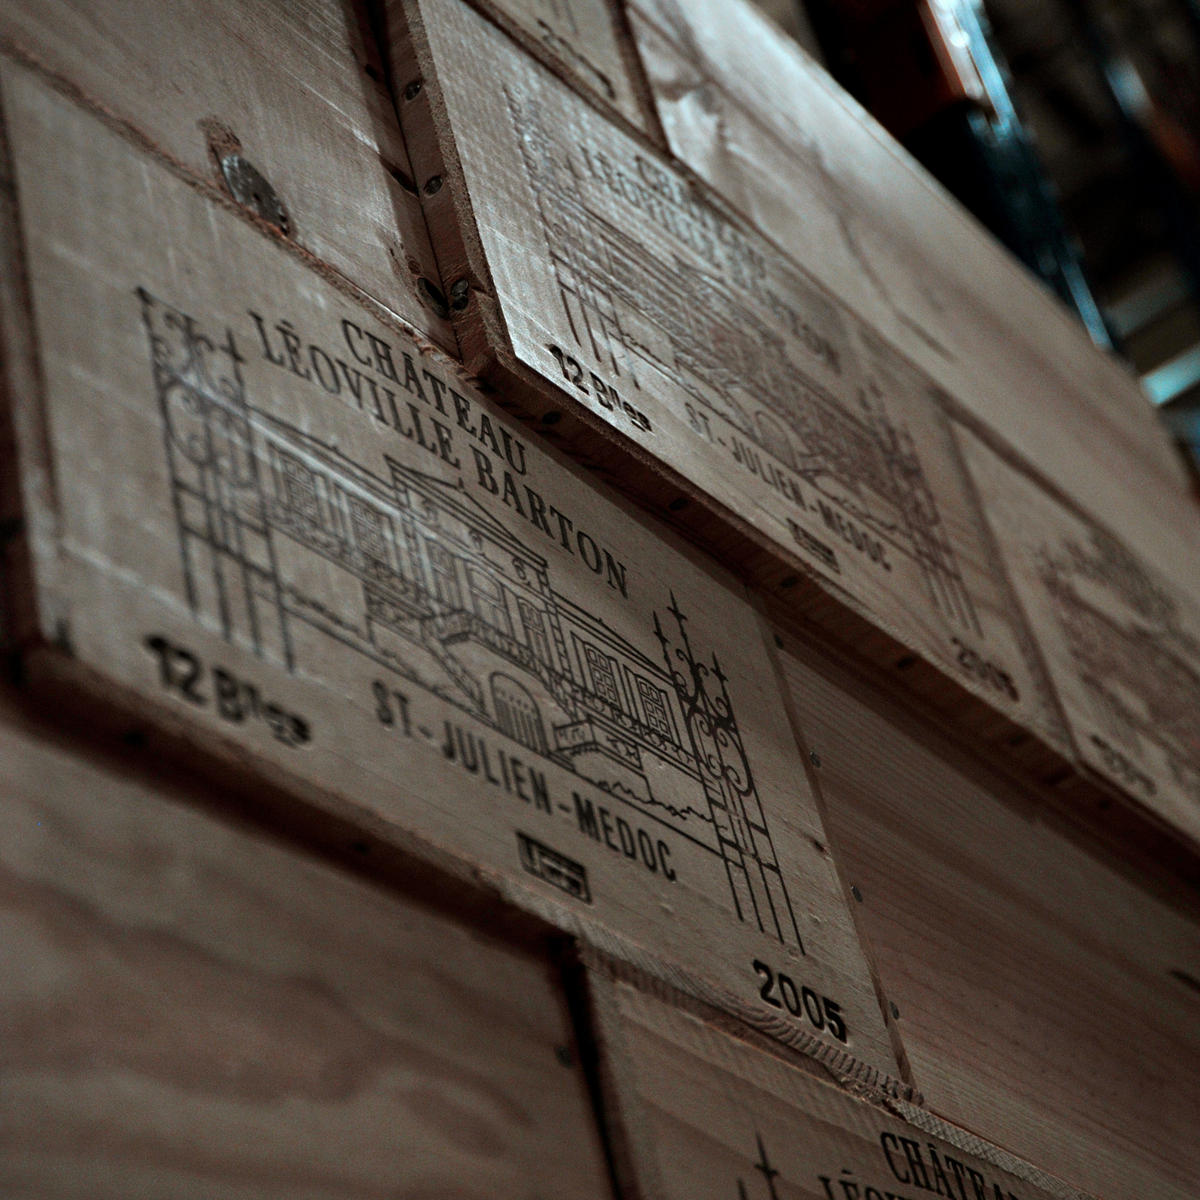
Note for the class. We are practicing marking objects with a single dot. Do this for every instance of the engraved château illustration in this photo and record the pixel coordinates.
(1129, 649)
(282, 536)
(634, 307)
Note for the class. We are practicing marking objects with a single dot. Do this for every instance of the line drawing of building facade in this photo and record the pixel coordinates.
(283, 537)
(1129, 651)
(632, 310)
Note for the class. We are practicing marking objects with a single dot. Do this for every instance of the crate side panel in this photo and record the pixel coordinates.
(767, 127)
(686, 331)
(191, 1010)
(311, 546)
(1121, 637)
(716, 1118)
(1043, 992)
(295, 89)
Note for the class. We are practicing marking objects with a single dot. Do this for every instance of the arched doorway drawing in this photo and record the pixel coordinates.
(517, 713)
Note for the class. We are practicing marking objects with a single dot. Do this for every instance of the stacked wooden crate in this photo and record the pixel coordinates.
(572, 627)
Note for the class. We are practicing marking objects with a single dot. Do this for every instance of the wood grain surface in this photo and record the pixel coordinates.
(705, 1116)
(767, 127)
(1048, 995)
(191, 1010)
(686, 331)
(295, 88)
(264, 515)
(587, 43)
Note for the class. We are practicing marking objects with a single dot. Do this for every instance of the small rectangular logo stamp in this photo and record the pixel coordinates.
(555, 868)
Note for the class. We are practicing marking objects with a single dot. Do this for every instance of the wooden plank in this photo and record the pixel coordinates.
(1121, 638)
(767, 127)
(295, 89)
(1047, 993)
(587, 43)
(191, 1010)
(673, 323)
(271, 518)
(706, 1116)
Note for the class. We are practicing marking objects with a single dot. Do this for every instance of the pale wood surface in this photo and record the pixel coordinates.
(767, 127)
(399, 600)
(585, 40)
(298, 84)
(705, 1116)
(1121, 638)
(1047, 1000)
(190, 1010)
(687, 331)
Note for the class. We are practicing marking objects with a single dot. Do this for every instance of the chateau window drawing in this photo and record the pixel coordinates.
(633, 307)
(534, 625)
(654, 706)
(444, 567)
(604, 677)
(300, 489)
(488, 597)
(372, 534)
(286, 542)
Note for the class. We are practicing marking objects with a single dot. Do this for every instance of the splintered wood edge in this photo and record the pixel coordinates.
(743, 1021)
(75, 696)
(815, 787)
(628, 1132)
(989, 1152)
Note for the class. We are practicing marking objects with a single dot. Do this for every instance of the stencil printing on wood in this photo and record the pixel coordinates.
(275, 522)
(1121, 639)
(687, 332)
(770, 131)
(698, 1114)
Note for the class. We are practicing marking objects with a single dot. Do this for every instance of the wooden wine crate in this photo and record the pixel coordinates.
(193, 1010)
(285, 102)
(766, 126)
(266, 516)
(800, 439)
(1121, 637)
(1046, 986)
(697, 1114)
